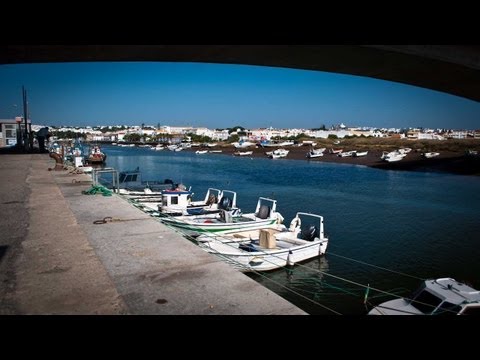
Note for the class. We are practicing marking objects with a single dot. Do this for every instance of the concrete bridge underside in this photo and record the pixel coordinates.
(453, 69)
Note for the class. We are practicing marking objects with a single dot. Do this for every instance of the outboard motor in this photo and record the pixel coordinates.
(225, 203)
(263, 212)
(309, 233)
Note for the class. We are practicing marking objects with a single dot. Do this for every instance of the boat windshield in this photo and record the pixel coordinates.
(447, 309)
(125, 177)
(431, 304)
(426, 302)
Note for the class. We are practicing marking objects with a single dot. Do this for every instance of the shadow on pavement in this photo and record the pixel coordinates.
(3, 251)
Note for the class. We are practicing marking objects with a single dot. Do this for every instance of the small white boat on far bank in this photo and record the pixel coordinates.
(277, 154)
(359, 153)
(314, 153)
(243, 153)
(429, 155)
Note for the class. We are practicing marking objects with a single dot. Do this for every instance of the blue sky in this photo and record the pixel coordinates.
(220, 96)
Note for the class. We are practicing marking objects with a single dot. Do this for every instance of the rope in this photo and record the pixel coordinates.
(109, 219)
(372, 288)
(367, 287)
(297, 293)
(75, 181)
(376, 266)
(286, 287)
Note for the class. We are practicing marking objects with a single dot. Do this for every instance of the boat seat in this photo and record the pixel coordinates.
(281, 244)
(293, 241)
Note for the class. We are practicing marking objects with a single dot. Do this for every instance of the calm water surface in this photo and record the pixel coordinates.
(422, 224)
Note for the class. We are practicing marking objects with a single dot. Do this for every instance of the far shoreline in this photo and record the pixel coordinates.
(454, 162)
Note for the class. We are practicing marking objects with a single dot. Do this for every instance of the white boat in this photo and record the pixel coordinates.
(243, 153)
(429, 155)
(278, 153)
(285, 143)
(215, 151)
(444, 296)
(275, 143)
(392, 156)
(130, 183)
(201, 151)
(315, 153)
(178, 203)
(271, 248)
(346, 154)
(229, 219)
(312, 155)
(96, 156)
(360, 153)
(242, 144)
(335, 151)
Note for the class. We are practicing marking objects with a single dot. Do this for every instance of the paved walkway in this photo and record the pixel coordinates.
(54, 260)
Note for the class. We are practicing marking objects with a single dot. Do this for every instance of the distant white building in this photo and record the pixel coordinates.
(220, 135)
(378, 134)
(323, 134)
(458, 134)
(259, 134)
(430, 136)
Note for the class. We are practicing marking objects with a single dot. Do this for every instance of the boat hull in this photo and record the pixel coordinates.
(264, 260)
(212, 226)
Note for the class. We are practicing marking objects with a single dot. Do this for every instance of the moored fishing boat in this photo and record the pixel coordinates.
(444, 296)
(270, 248)
(96, 155)
(229, 219)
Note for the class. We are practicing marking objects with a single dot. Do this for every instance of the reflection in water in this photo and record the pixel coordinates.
(306, 278)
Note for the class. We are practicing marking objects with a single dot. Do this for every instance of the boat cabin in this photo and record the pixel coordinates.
(132, 180)
(176, 202)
